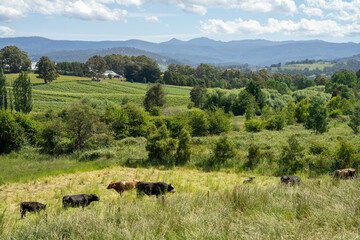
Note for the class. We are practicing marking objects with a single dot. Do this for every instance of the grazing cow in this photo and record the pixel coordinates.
(31, 207)
(154, 188)
(79, 200)
(249, 180)
(122, 186)
(344, 173)
(291, 180)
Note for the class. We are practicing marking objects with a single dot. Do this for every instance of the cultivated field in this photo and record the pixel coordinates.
(69, 89)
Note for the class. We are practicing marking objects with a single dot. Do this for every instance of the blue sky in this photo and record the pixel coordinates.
(161, 20)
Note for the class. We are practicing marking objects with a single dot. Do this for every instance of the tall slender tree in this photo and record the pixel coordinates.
(3, 92)
(23, 93)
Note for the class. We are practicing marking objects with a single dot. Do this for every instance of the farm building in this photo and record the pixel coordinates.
(113, 74)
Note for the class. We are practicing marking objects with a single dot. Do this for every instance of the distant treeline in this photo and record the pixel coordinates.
(73, 69)
(143, 69)
(350, 64)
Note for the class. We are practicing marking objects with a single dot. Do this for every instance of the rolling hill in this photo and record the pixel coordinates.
(192, 52)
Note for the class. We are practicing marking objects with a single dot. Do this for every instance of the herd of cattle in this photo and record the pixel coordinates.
(151, 188)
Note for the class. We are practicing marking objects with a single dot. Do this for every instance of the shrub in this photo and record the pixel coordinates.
(159, 146)
(253, 156)
(31, 128)
(127, 121)
(81, 123)
(335, 113)
(219, 121)
(154, 97)
(155, 111)
(190, 105)
(355, 118)
(290, 113)
(175, 123)
(292, 155)
(183, 152)
(253, 125)
(301, 110)
(53, 139)
(11, 133)
(276, 122)
(224, 149)
(199, 123)
(344, 155)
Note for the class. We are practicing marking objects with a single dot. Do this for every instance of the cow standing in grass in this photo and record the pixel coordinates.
(291, 180)
(154, 188)
(122, 186)
(79, 200)
(344, 173)
(31, 207)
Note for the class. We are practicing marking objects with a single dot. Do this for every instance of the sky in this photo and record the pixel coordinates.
(162, 20)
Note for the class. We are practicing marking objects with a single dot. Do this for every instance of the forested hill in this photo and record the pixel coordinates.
(84, 55)
(201, 50)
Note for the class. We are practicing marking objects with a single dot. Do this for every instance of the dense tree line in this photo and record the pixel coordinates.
(73, 69)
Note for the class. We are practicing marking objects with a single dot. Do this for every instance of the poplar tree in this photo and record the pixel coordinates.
(23, 93)
(3, 92)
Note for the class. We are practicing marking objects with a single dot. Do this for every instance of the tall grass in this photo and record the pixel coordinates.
(262, 210)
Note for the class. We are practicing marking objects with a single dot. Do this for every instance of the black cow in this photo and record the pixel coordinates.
(79, 200)
(291, 180)
(249, 180)
(154, 188)
(31, 207)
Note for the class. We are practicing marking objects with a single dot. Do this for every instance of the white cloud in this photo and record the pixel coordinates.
(281, 6)
(338, 9)
(311, 12)
(5, 31)
(11, 10)
(152, 19)
(79, 9)
(305, 27)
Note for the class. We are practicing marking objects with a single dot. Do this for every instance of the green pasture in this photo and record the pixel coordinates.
(206, 205)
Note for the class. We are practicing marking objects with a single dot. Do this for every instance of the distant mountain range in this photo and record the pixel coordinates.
(192, 52)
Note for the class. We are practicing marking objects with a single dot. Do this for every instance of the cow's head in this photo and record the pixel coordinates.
(171, 188)
(285, 179)
(111, 185)
(352, 172)
(93, 197)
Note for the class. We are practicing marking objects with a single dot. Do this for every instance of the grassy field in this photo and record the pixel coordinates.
(319, 209)
(69, 89)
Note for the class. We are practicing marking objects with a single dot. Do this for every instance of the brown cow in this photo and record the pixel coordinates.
(121, 186)
(344, 173)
